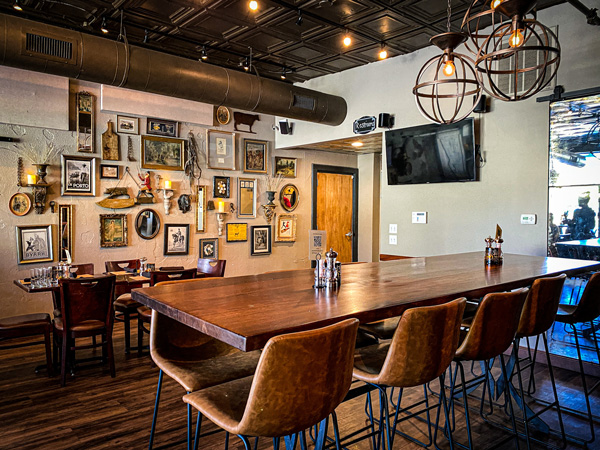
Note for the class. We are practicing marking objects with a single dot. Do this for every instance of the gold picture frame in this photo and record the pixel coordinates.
(285, 228)
(85, 122)
(162, 153)
(65, 232)
(246, 198)
(255, 156)
(113, 230)
(236, 232)
(201, 194)
(20, 204)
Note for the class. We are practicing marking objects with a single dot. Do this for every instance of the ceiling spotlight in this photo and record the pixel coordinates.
(253, 5)
(246, 65)
(383, 54)
(357, 144)
(347, 40)
(283, 74)
(203, 54)
(17, 5)
(300, 19)
(103, 26)
(145, 36)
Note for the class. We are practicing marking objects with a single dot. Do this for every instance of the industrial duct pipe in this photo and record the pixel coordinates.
(30, 45)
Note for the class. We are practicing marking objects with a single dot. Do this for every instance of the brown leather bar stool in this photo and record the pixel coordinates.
(24, 326)
(143, 312)
(193, 359)
(211, 267)
(86, 311)
(300, 379)
(585, 312)
(420, 351)
(125, 307)
(492, 331)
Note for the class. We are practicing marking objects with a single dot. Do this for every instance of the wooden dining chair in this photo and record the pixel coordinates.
(83, 269)
(125, 307)
(211, 267)
(86, 311)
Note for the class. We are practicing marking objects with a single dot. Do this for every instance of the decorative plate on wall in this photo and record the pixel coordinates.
(19, 204)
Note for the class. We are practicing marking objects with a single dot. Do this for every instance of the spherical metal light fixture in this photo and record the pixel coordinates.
(479, 20)
(518, 58)
(447, 89)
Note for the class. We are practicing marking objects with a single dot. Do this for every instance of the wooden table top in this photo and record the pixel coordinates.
(246, 311)
(130, 280)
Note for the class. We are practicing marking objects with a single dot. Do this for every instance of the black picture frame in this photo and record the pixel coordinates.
(78, 175)
(173, 245)
(209, 248)
(107, 171)
(161, 127)
(260, 240)
(221, 187)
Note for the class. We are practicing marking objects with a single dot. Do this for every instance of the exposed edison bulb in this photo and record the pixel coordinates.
(253, 5)
(347, 41)
(448, 68)
(495, 4)
(516, 39)
(383, 54)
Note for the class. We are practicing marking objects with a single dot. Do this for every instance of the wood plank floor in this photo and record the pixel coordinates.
(95, 411)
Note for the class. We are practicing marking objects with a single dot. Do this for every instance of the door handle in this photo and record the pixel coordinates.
(349, 235)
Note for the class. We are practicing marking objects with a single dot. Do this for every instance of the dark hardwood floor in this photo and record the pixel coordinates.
(95, 411)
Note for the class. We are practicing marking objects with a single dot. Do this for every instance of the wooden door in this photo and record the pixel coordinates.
(334, 198)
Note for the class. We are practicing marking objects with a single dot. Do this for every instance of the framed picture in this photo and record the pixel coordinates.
(78, 175)
(177, 239)
(34, 244)
(246, 197)
(160, 127)
(220, 150)
(236, 232)
(223, 115)
(110, 171)
(261, 240)
(65, 232)
(20, 204)
(128, 125)
(85, 122)
(255, 156)
(201, 209)
(113, 230)
(289, 197)
(286, 167)
(209, 248)
(286, 228)
(162, 153)
(221, 187)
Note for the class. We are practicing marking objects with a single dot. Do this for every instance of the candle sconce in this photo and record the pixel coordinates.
(221, 215)
(269, 208)
(40, 191)
(167, 194)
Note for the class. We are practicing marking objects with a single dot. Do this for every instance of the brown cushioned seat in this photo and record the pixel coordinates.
(383, 329)
(27, 323)
(82, 327)
(125, 301)
(144, 314)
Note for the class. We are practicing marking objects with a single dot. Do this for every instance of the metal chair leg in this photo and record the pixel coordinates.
(197, 434)
(585, 390)
(155, 415)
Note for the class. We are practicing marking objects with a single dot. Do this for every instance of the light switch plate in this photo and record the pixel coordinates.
(393, 228)
(528, 219)
(393, 239)
(419, 217)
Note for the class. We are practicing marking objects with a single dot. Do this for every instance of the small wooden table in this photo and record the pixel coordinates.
(588, 248)
(247, 311)
(133, 281)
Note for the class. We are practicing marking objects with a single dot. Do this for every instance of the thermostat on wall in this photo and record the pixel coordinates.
(419, 217)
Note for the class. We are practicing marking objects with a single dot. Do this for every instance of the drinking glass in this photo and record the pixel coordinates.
(32, 277)
(38, 277)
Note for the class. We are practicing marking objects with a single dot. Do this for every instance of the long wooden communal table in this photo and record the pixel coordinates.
(246, 311)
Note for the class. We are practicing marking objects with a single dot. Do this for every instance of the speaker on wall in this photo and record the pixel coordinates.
(285, 127)
(481, 106)
(386, 120)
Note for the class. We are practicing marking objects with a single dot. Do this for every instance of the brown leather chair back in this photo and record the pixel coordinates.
(83, 269)
(588, 308)
(158, 276)
(84, 299)
(541, 305)
(494, 326)
(300, 379)
(118, 266)
(212, 267)
(423, 345)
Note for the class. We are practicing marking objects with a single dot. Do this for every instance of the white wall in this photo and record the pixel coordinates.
(514, 139)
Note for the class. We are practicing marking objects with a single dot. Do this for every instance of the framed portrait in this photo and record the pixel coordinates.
(113, 230)
(65, 233)
(177, 239)
(289, 197)
(78, 175)
(20, 204)
(222, 115)
(209, 248)
(162, 153)
(220, 150)
(201, 209)
(128, 125)
(221, 187)
(34, 244)
(246, 197)
(255, 156)
(160, 127)
(110, 171)
(236, 232)
(285, 230)
(286, 167)
(261, 240)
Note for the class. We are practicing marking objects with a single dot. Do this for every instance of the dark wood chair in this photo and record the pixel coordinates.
(24, 326)
(83, 269)
(211, 267)
(86, 311)
(125, 307)
(144, 313)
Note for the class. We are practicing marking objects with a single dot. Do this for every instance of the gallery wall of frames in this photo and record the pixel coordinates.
(121, 185)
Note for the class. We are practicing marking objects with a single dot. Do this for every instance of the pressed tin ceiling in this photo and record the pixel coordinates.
(371, 143)
(226, 29)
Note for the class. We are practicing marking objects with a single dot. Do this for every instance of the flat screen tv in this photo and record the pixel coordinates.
(431, 154)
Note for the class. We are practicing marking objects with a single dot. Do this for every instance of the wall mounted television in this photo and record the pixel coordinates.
(431, 154)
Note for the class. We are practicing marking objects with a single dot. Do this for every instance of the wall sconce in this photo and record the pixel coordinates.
(39, 190)
(167, 194)
(221, 215)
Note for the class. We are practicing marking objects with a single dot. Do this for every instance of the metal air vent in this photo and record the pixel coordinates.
(48, 47)
(304, 102)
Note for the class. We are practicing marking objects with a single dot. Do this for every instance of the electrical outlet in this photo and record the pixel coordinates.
(393, 228)
(393, 239)
(528, 219)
